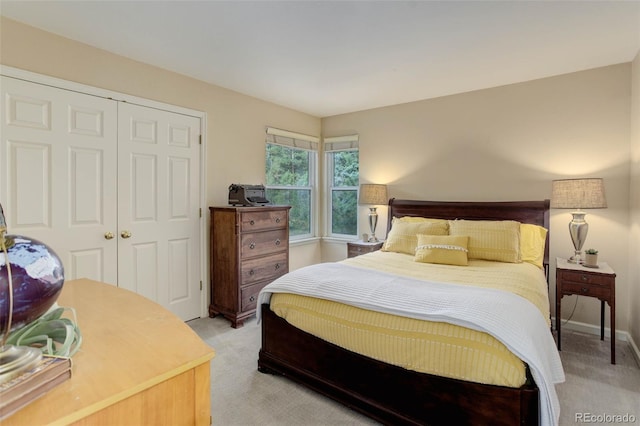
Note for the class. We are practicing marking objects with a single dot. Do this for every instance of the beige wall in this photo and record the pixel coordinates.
(634, 248)
(235, 122)
(509, 143)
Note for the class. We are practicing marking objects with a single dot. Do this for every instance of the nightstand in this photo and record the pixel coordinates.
(591, 282)
(356, 248)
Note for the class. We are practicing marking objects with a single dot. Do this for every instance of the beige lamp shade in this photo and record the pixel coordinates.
(373, 194)
(578, 194)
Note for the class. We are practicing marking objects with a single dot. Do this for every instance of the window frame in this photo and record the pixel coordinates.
(332, 145)
(298, 141)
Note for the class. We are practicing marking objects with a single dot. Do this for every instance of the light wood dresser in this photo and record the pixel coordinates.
(249, 249)
(139, 364)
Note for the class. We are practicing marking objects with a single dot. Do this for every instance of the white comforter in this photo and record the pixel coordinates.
(509, 318)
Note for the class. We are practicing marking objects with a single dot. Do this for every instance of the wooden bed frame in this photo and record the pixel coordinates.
(394, 395)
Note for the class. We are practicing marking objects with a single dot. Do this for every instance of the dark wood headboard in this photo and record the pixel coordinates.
(535, 212)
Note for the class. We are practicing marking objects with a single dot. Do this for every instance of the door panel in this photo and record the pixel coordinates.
(29, 175)
(85, 182)
(145, 279)
(179, 269)
(58, 173)
(144, 177)
(86, 263)
(158, 198)
(178, 188)
(25, 111)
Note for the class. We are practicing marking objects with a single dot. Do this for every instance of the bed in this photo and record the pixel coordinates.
(417, 387)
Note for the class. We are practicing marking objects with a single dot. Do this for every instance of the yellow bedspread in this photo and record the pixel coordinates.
(430, 347)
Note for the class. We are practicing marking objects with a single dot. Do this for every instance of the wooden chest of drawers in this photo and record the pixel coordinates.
(249, 249)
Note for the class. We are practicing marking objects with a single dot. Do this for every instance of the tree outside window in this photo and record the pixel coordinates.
(289, 181)
(343, 170)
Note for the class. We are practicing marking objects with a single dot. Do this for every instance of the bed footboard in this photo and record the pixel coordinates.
(386, 393)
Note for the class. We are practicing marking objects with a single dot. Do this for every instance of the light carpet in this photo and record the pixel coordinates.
(242, 396)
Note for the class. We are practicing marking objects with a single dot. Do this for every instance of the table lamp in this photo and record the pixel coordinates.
(578, 194)
(31, 277)
(373, 194)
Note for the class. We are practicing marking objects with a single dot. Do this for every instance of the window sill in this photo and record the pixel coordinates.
(303, 241)
(339, 239)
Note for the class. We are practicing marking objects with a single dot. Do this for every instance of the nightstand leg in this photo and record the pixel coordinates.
(602, 320)
(558, 320)
(612, 308)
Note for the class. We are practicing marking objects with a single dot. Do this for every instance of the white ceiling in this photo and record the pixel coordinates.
(332, 57)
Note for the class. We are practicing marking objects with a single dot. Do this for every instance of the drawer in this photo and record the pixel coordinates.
(262, 220)
(249, 296)
(263, 268)
(262, 243)
(586, 278)
(600, 292)
(355, 249)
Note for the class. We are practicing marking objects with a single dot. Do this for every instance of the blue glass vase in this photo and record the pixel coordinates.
(37, 275)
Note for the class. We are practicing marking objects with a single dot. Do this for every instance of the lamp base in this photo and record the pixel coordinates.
(577, 259)
(373, 222)
(15, 360)
(578, 229)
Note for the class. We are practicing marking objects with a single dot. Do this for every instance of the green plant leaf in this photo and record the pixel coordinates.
(52, 333)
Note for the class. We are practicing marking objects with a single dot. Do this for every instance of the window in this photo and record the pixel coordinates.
(342, 170)
(291, 164)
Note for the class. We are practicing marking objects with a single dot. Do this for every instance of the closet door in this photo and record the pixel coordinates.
(58, 163)
(159, 208)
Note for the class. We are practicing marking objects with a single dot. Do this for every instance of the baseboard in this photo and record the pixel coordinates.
(583, 327)
(634, 349)
(595, 330)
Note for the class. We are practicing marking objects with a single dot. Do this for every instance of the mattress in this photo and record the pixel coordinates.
(436, 348)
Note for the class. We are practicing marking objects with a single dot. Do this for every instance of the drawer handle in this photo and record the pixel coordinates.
(585, 289)
(251, 272)
(252, 246)
(584, 278)
(277, 220)
(252, 222)
(278, 242)
(252, 299)
(277, 266)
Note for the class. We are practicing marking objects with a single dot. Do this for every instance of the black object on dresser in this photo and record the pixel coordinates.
(249, 249)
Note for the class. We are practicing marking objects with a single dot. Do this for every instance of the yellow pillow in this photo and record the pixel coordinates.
(420, 219)
(532, 243)
(443, 249)
(402, 237)
(497, 240)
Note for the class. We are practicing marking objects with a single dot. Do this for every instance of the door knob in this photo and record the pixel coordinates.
(125, 234)
(108, 235)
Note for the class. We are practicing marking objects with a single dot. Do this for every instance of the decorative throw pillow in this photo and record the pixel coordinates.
(443, 249)
(532, 243)
(497, 240)
(402, 237)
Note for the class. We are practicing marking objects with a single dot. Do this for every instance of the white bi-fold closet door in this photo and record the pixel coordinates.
(112, 187)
